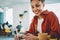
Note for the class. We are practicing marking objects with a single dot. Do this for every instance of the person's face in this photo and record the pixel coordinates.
(37, 7)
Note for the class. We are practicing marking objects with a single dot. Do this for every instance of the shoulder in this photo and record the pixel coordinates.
(35, 18)
(48, 14)
(51, 14)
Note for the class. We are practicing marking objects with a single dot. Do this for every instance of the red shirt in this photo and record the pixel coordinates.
(50, 24)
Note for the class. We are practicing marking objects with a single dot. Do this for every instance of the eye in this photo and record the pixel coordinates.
(32, 7)
(37, 5)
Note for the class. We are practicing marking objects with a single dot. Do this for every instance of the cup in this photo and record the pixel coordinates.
(43, 36)
(54, 39)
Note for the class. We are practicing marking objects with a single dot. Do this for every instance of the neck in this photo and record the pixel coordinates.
(40, 17)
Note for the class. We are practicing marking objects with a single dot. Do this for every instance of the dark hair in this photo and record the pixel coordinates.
(39, 0)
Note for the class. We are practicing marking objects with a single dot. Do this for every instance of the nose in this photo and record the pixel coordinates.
(34, 8)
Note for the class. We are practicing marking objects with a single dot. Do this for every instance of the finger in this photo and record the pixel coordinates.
(28, 38)
(24, 36)
(49, 36)
(28, 34)
(16, 37)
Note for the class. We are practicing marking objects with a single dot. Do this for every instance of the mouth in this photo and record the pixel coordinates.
(37, 11)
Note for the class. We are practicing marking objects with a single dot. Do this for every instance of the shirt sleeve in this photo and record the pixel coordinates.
(31, 28)
(55, 29)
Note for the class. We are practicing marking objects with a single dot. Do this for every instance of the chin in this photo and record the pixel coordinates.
(37, 15)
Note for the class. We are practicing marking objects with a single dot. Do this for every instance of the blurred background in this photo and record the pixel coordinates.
(18, 12)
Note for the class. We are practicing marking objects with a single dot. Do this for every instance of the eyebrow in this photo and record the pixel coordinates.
(35, 4)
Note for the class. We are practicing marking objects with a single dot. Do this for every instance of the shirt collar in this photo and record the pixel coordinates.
(45, 12)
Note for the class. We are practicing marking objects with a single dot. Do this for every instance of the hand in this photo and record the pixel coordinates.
(17, 37)
(30, 37)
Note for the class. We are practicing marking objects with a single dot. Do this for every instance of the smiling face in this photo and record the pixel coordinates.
(37, 7)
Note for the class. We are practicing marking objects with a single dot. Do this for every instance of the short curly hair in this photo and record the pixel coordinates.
(39, 0)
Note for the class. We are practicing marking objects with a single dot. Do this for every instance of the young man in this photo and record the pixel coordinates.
(44, 21)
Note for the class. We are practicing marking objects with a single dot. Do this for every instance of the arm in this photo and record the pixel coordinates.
(31, 29)
(55, 31)
(33, 26)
